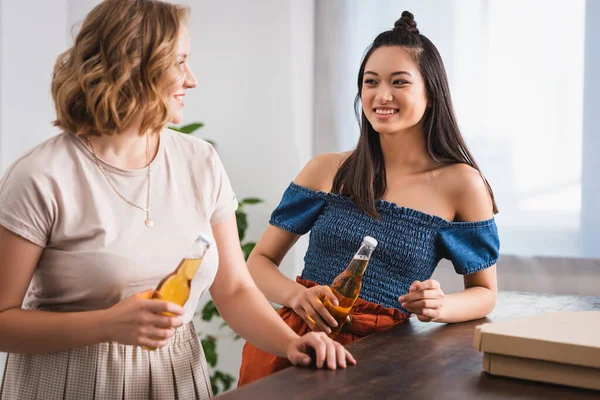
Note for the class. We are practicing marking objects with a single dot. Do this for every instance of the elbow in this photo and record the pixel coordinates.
(490, 302)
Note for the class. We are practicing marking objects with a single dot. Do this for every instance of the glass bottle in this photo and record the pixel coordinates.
(176, 286)
(346, 286)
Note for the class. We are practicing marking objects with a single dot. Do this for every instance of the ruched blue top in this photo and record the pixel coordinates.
(411, 243)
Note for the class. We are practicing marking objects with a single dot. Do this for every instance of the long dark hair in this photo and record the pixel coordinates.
(362, 176)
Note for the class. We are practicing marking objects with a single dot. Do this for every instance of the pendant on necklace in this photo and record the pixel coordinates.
(149, 223)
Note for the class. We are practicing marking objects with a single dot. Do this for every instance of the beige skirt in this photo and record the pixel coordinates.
(111, 371)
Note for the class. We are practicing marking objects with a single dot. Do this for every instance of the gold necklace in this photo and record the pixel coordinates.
(149, 222)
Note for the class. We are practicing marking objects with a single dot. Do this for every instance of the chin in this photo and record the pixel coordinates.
(383, 128)
(176, 119)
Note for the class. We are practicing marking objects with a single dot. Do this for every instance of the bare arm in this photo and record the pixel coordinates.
(473, 203)
(476, 301)
(32, 332)
(275, 243)
(426, 299)
(264, 262)
(240, 302)
(248, 312)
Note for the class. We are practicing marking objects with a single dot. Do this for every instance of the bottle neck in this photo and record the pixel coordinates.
(358, 265)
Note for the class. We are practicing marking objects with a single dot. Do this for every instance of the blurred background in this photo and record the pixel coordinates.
(276, 84)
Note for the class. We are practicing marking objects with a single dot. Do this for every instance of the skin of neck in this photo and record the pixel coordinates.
(127, 149)
(405, 153)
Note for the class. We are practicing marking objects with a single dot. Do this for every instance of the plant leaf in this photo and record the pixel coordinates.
(187, 129)
(209, 345)
(209, 311)
(242, 223)
(247, 249)
(225, 379)
(252, 200)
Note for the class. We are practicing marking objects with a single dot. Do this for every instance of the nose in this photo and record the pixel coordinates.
(384, 95)
(190, 80)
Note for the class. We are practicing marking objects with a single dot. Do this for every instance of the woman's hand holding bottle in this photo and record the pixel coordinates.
(137, 320)
(308, 305)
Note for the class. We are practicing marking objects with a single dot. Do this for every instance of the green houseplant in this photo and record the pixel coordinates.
(220, 380)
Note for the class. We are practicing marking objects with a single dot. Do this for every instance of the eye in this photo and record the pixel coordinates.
(399, 82)
(370, 82)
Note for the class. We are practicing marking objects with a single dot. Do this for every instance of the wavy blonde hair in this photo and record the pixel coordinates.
(118, 68)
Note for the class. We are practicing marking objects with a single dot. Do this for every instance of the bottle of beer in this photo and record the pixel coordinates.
(176, 286)
(346, 286)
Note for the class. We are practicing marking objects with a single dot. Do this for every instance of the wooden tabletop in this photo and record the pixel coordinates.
(416, 360)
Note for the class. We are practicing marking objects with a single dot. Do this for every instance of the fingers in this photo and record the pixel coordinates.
(317, 342)
(152, 343)
(316, 319)
(424, 318)
(350, 358)
(425, 299)
(428, 284)
(327, 353)
(421, 295)
(431, 310)
(326, 292)
(310, 322)
(166, 307)
(331, 354)
(324, 313)
(340, 354)
(166, 322)
(420, 305)
(155, 333)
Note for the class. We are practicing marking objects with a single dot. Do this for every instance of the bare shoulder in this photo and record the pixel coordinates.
(319, 172)
(468, 192)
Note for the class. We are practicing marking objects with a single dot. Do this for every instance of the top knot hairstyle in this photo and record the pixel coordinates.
(362, 176)
(407, 22)
(116, 70)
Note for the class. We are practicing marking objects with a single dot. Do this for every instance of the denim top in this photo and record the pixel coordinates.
(411, 243)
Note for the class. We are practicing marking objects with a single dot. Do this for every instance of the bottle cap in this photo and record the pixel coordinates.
(370, 240)
(204, 238)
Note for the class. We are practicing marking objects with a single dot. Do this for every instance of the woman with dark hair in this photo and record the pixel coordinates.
(411, 183)
(98, 214)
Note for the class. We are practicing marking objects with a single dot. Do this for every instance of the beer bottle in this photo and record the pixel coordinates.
(346, 286)
(176, 286)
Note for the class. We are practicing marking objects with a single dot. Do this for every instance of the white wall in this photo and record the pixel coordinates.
(30, 40)
(253, 61)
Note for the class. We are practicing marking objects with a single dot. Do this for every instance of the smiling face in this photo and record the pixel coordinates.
(182, 77)
(393, 97)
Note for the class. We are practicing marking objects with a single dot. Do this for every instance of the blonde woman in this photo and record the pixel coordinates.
(95, 216)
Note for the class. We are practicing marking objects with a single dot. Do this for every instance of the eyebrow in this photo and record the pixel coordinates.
(392, 74)
(184, 55)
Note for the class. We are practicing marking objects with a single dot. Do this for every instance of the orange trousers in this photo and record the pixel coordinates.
(367, 318)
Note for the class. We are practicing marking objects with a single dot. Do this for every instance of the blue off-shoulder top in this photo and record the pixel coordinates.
(411, 243)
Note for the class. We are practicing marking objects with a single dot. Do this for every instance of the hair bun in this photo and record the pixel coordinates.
(406, 22)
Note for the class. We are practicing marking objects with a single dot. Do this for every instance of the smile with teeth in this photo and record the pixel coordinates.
(385, 111)
(179, 98)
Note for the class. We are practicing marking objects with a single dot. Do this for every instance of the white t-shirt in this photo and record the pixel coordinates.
(97, 249)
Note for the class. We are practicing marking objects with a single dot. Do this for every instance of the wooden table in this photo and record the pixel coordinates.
(416, 360)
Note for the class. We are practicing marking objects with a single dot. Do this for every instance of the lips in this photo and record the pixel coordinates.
(179, 98)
